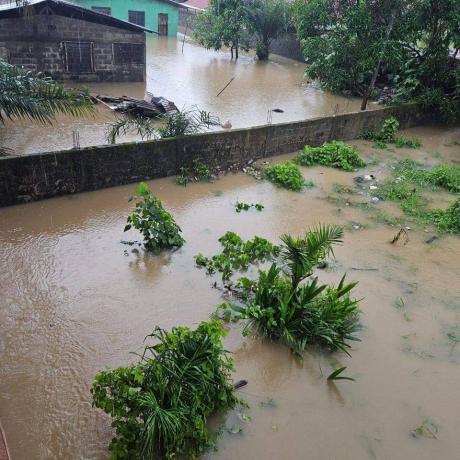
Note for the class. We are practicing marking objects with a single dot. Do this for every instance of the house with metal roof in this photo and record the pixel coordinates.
(69, 42)
(162, 16)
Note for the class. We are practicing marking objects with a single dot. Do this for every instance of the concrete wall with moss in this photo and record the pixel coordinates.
(45, 175)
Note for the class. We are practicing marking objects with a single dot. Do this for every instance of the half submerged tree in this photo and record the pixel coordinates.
(286, 303)
(161, 404)
(224, 23)
(156, 224)
(269, 20)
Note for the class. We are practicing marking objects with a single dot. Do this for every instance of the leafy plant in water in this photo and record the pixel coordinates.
(337, 375)
(236, 255)
(156, 224)
(241, 206)
(387, 134)
(160, 405)
(199, 172)
(336, 154)
(283, 305)
(287, 175)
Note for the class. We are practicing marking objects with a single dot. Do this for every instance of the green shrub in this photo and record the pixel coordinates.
(287, 175)
(156, 224)
(336, 154)
(200, 172)
(236, 255)
(387, 134)
(447, 220)
(160, 405)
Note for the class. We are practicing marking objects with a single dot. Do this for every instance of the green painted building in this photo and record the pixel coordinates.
(161, 16)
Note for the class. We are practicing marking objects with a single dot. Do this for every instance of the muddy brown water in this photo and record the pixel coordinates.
(192, 78)
(74, 300)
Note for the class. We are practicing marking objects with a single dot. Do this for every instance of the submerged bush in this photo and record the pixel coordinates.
(387, 134)
(336, 154)
(160, 406)
(287, 175)
(236, 255)
(281, 306)
(156, 224)
(285, 303)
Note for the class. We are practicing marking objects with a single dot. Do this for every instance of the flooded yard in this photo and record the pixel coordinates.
(74, 300)
(193, 77)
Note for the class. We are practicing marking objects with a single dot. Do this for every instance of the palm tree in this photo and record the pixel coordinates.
(24, 94)
(269, 20)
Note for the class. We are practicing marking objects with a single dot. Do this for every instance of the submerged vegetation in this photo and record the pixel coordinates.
(287, 175)
(241, 206)
(200, 172)
(160, 405)
(156, 224)
(387, 134)
(175, 124)
(285, 303)
(336, 154)
(237, 255)
(407, 188)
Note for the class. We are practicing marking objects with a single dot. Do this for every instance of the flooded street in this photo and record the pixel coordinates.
(74, 300)
(193, 77)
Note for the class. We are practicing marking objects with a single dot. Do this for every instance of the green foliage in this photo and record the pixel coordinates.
(183, 178)
(156, 224)
(241, 206)
(236, 255)
(224, 23)
(282, 306)
(407, 187)
(269, 19)
(336, 154)
(183, 123)
(287, 175)
(337, 375)
(160, 405)
(200, 172)
(387, 134)
(24, 94)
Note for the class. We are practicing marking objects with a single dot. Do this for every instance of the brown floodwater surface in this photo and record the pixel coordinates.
(74, 300)
(193, 77)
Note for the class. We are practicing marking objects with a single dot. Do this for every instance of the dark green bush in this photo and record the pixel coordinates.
(336, 154)
(160, 406)
(156, 224)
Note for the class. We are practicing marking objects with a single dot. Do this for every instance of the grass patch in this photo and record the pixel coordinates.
(287, 175)
(160, 405)
(407, 187)
(335, 154)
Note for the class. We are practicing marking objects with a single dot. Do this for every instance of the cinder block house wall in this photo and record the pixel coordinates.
(37, 43)
(120, 9)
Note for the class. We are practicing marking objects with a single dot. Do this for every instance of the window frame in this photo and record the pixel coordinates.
(136, 12)
(91, 56)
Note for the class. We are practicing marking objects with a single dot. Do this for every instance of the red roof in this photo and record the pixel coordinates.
(198, 4)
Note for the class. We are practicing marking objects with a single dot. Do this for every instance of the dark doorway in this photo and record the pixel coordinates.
(163, 24)
(78, 57)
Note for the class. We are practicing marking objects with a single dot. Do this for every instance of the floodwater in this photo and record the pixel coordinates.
(74, 300)
(193, 77)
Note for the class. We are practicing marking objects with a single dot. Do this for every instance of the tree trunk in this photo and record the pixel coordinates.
(369, 90)
(231, 51)
(236, 51)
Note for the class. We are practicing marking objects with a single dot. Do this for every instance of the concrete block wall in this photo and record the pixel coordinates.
(38, 176)
(35, 43)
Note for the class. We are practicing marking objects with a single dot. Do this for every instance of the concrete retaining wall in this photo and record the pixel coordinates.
(44, 175)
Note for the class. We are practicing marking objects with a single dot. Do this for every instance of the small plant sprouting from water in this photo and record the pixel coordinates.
(335, 154)
(200, 172)
(338, 375)
(287, 175)
(387, 134)
(156, 224)
(160, 405)
(242, 206)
